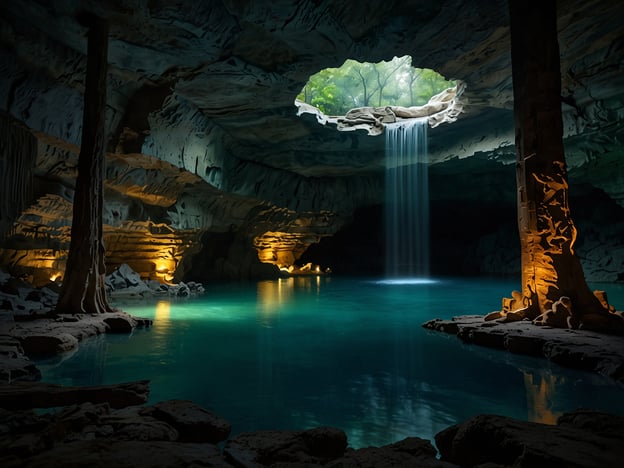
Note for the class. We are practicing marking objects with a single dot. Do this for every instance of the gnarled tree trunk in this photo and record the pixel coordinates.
(83, 284)
(554, 290)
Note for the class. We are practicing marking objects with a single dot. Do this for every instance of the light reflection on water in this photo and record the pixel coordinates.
(308, 351)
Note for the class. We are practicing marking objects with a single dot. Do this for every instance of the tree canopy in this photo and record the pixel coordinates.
(335, 91)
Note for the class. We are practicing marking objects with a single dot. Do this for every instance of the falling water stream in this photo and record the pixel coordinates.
(407, 200)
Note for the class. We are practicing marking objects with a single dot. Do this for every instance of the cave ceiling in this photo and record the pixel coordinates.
(208, 87)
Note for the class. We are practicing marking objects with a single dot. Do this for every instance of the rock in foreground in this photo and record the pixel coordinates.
(95, 435)
(580, 439)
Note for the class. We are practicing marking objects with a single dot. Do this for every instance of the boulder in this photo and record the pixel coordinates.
(95, 435)
(124, 277)
(120, 323)
(26, 395)
(409, 452)
(307, 448)
(104, 453)
(193, 423)
(18, 368)
(584, 439)
(48, 344)
(183, 290)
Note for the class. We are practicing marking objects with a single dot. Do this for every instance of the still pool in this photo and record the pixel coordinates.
(351, 353)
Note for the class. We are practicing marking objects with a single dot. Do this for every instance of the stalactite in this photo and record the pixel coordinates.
(18, 154)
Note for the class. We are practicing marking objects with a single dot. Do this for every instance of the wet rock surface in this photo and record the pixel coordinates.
(184, 162)
(580, 439)
(28, 331)
(267, 448)
(124, 282)
(146, 436)
(109, 426)
(193, 423)
(581, 349)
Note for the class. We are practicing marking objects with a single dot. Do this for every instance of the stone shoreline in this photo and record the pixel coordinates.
(22, 340)
(182, 434)
(112, 425)
(101, 433)
(580, 349)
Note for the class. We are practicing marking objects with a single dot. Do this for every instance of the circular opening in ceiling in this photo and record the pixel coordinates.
(369, 95)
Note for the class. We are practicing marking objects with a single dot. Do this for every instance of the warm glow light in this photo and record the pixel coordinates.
(272, 295)
(165, 270)
(540, 392)
(55, 276)
(162, 313)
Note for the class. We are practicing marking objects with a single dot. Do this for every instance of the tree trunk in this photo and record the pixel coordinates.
(83, 284)
(552, 277)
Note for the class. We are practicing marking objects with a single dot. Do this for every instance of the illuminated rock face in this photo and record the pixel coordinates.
(204, 137)
(554, 290)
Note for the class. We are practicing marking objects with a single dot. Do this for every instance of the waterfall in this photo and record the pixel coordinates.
(407, 199)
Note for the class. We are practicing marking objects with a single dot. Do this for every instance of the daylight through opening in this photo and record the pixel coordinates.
(400, 101)
(335, 91)
(367, 96)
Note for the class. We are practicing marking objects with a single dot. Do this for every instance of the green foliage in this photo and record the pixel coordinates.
(395, 83)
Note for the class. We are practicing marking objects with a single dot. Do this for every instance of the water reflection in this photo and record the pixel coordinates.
(72, 363)
(162, 316)
(312, 351)
(274, 295)
(541, 391)
(271, 296)
(549, 391)
(391, 407)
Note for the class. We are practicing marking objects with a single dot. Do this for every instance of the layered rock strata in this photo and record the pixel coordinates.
(204, 135)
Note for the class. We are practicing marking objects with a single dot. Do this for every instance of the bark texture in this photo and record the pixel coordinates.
(554, 290)
(83, 284)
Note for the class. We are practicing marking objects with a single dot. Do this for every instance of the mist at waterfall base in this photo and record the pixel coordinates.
(351, 353)
(406, 208)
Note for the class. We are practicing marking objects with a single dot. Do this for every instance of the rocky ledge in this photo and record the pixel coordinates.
(112, 425)
(182, 434)
(581, 349)
(30, 328)
(46, 336)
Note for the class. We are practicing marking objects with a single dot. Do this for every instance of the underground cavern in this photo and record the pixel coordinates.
(198, 268)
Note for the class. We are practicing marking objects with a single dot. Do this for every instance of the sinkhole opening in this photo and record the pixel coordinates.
(335, 91)
(367, 96)
(400, 101)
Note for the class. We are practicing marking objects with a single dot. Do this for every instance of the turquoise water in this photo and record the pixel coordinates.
(351, 353)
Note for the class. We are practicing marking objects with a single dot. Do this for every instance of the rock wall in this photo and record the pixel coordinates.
(205, 142)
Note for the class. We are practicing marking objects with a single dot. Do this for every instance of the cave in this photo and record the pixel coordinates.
(245, 242)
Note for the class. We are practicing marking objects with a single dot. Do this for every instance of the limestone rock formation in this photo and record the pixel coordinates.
(205, 142)
(580, 439)
(581, 349)
(97, 435)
